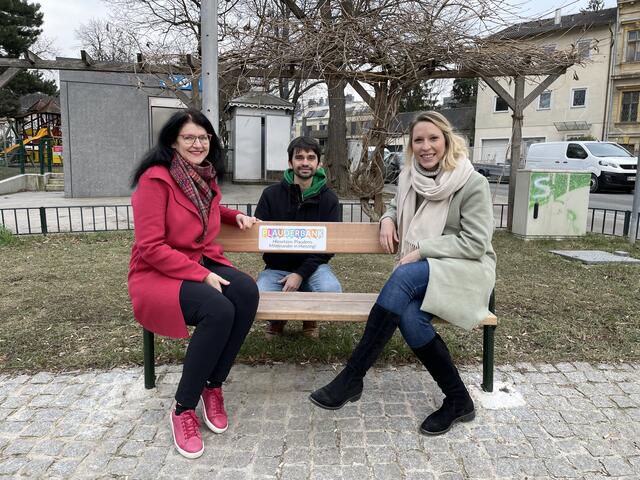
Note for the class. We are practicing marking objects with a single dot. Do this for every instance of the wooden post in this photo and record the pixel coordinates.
(517, 104)
(516, 145)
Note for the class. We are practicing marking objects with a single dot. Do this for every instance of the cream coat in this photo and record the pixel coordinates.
(462, 263)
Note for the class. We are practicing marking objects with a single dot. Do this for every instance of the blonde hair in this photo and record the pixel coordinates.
(455, 145)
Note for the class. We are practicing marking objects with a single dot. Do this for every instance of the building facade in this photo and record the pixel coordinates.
(624, 122)
(313, 119)
(574, 106)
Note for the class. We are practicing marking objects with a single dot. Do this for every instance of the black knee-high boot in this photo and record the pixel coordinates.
(457, 405)
(348, 385)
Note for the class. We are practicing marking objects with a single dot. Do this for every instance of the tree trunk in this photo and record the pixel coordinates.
(369, 178)
(335, 159)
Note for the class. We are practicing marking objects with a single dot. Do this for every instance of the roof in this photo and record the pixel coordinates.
(35, 103)
(317, 113)
(582, 21)
(260, 100)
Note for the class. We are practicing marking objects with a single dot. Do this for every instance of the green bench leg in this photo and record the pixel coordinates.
(149, 359)
(487, 357)
(488, 337)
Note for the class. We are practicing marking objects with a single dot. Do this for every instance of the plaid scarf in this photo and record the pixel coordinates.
(194, 181)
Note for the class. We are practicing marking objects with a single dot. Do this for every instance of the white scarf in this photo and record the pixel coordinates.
(429, 219)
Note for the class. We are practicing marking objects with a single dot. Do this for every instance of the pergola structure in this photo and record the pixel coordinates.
(189, 66)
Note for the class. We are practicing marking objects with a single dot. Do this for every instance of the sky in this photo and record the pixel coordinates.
(63, 17)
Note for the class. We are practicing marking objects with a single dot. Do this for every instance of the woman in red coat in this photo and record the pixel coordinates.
(178, 275)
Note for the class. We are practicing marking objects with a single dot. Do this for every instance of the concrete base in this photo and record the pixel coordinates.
(527, 238)
(504, 396)
(29, 182)
(32, 182)
(595, 257)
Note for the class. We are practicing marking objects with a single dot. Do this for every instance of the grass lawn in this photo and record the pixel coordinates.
(64, 305)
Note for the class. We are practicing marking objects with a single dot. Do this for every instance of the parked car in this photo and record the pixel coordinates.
(610, 164)
(393, 162)
(492, 171)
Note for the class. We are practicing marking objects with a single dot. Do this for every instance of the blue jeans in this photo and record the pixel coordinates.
(322, 280)
(403, 294)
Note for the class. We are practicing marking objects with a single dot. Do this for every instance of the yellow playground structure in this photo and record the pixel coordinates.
(33, 133)
(33, 153)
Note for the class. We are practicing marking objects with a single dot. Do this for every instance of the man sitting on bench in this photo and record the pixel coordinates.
(301, 196)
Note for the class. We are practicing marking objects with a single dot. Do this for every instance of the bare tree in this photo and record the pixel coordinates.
(390, 45)
(593, 6)
(107, 41)
(172, 22)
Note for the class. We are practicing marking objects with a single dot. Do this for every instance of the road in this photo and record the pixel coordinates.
(610, 200)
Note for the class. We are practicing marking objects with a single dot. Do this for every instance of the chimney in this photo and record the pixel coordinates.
(558, 19)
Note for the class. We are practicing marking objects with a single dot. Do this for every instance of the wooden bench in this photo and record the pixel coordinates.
(334, 307)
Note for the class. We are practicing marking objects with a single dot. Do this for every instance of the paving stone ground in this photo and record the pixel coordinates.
(565, 420)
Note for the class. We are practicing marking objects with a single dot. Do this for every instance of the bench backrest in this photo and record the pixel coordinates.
(341, 237)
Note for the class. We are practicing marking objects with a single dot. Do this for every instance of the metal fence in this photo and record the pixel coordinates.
(107, 218)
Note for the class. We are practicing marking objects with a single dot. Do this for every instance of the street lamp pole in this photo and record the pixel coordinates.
(209, 49)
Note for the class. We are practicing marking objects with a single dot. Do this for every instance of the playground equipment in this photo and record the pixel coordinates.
(33, 149)
(33, 137)
(43, 132)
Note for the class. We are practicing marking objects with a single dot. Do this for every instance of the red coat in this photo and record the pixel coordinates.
(165, 251)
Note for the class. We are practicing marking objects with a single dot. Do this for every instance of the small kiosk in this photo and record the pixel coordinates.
(259, 133)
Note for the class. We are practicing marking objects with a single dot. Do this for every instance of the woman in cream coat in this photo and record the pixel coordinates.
(442, 221)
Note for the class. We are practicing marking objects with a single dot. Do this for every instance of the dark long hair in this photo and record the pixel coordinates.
(162, 152)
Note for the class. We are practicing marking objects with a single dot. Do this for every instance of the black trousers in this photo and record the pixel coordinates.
(222, 322)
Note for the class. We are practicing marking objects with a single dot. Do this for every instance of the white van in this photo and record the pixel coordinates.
(609, 163)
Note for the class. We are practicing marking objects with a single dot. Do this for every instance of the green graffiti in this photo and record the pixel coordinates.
(572, 217)
(548, 187)
(579, 180)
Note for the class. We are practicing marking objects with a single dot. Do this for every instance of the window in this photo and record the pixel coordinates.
(576, 151)
(629, 110)
(584, 48)
(603, 149)
(629, 147)
(354, 127)
(544, 100)
(500, 105)
(633, 46)
(578, 97)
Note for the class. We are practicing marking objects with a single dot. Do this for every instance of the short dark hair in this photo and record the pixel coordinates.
(304, 143)
(162, 153)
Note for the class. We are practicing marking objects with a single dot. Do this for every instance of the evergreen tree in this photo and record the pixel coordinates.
(21, 23)
(418, 98)
(465, 90)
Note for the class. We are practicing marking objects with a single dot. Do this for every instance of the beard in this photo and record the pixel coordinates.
(304, 176)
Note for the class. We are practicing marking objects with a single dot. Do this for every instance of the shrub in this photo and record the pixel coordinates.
(6, 236)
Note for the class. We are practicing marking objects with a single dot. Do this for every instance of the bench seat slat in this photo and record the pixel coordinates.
(335, 307)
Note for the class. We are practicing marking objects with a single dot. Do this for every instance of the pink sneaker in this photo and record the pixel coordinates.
(186, 433)
(215, 415)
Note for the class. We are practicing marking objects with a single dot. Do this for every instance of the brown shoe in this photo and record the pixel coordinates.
(311, 329)
(274, 329)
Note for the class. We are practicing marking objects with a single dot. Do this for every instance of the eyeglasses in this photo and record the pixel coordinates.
(191, 139)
